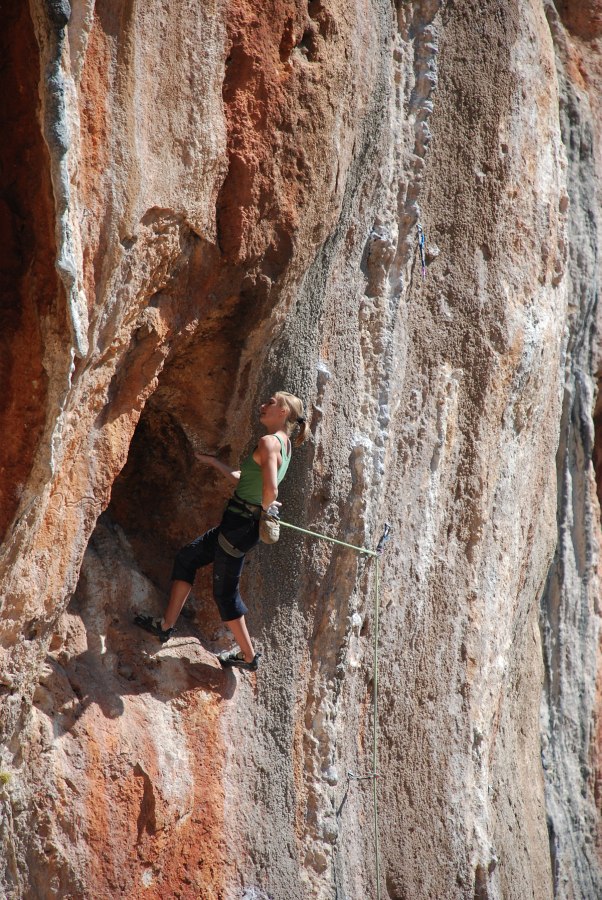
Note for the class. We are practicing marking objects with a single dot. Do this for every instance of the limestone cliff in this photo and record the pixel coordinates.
(201, 203)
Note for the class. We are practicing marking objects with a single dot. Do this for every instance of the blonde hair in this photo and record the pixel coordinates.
(296, 416)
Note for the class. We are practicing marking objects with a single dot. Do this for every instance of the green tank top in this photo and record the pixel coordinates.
(250, 485)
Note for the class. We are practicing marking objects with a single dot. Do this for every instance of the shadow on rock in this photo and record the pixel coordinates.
(127, 662)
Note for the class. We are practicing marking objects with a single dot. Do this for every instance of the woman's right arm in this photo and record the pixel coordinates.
(232, 474)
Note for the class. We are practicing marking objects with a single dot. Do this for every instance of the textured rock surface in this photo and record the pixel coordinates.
(571, 607)
(200, 203)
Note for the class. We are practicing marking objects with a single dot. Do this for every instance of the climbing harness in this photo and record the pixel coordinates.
(421, 247)
(229, 548)
(239, 506)
(373, 775)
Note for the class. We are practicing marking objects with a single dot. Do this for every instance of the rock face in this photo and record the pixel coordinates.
(201, 203)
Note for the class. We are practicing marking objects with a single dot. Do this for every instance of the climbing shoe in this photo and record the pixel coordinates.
(235, 659)
(153, 626)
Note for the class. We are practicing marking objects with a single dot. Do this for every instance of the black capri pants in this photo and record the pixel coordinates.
(241, 534)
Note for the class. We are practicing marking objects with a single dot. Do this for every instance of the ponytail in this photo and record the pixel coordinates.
(296, 417)
(303, 431)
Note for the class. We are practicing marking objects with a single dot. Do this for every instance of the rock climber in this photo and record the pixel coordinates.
(238, 532)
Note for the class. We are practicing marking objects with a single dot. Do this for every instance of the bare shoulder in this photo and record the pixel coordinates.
(268, 445)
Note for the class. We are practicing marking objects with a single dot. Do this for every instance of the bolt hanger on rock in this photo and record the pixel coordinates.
(421, 248)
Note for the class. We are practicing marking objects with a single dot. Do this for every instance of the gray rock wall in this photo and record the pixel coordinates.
(570, 604)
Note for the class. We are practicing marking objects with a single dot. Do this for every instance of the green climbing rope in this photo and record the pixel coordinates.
(326, 537)
(373, 775)
(375, 731)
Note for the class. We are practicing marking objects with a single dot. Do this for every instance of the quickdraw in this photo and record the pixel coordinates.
(421, 247)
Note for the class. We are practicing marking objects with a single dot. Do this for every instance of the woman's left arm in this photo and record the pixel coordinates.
(232, 474)
(269, 448)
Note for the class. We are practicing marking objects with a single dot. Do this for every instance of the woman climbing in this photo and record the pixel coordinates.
(226, 545)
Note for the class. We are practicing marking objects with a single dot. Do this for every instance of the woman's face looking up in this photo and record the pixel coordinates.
(272, 414)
